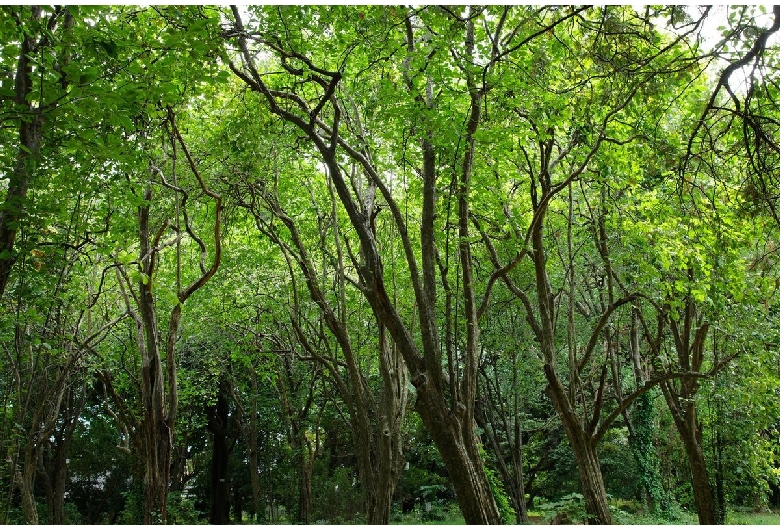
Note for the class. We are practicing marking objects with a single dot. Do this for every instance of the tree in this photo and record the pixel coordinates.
(337, 125)
(43, 42)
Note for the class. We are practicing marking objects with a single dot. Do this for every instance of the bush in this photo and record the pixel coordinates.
(570, 509)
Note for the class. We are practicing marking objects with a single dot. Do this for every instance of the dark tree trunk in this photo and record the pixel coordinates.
(582, 441)
(304, 492)
(686, 421)
(583, 446)
(159, 388)
(690, 332)
(56, 463)
(28, 153)
(155, 431)
(220, 453)
(25, 481)
(253, 448)
(457, 445)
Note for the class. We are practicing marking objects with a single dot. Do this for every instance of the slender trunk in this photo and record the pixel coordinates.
(26, 484)
(220, 452)
(690, 332)
(686, 421)
(155, 430)
(518, 487)
(388, 439)
(60, 478)
(304, 491)
(28, 154)
(583, 446)
(582, 443)
(510, 465)
(57, 469)
(252, 447)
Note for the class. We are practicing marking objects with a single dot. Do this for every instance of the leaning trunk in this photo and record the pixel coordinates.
(458, 448)
(583, 446)
(685, 420)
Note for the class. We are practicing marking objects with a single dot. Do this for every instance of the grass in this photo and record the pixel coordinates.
(750, 517)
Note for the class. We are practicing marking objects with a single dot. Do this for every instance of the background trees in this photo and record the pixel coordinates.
(402, 255)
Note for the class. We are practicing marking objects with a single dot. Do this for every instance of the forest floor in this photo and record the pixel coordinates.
(738, 516)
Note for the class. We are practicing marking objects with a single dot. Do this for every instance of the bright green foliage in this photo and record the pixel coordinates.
(653, 180)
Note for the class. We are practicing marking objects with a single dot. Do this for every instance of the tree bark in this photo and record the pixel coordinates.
(155, 431)
(304, 491)
(30, 139)
(56, 463)
(690, 332)
(582, 441)
(584, 447)
(220, 454)
(686, 421)
(451, 425)
(456, 441)
(252, 448)
(25, 480)
(160, 402)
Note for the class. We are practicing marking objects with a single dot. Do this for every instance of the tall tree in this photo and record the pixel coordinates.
(326, 109)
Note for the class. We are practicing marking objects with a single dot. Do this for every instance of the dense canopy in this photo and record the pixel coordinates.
(362, 263)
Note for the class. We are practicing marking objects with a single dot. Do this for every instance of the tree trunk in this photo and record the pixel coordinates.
(30, 139)
(388, 460)
(26, 484)
(304, 493)
(56, 464)
(592, 482)
(252, 448)
(583, 446)
(220, 453)
(690, 332)
(700, 480)
(686, 421)
(156, 434)
(458, 447)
